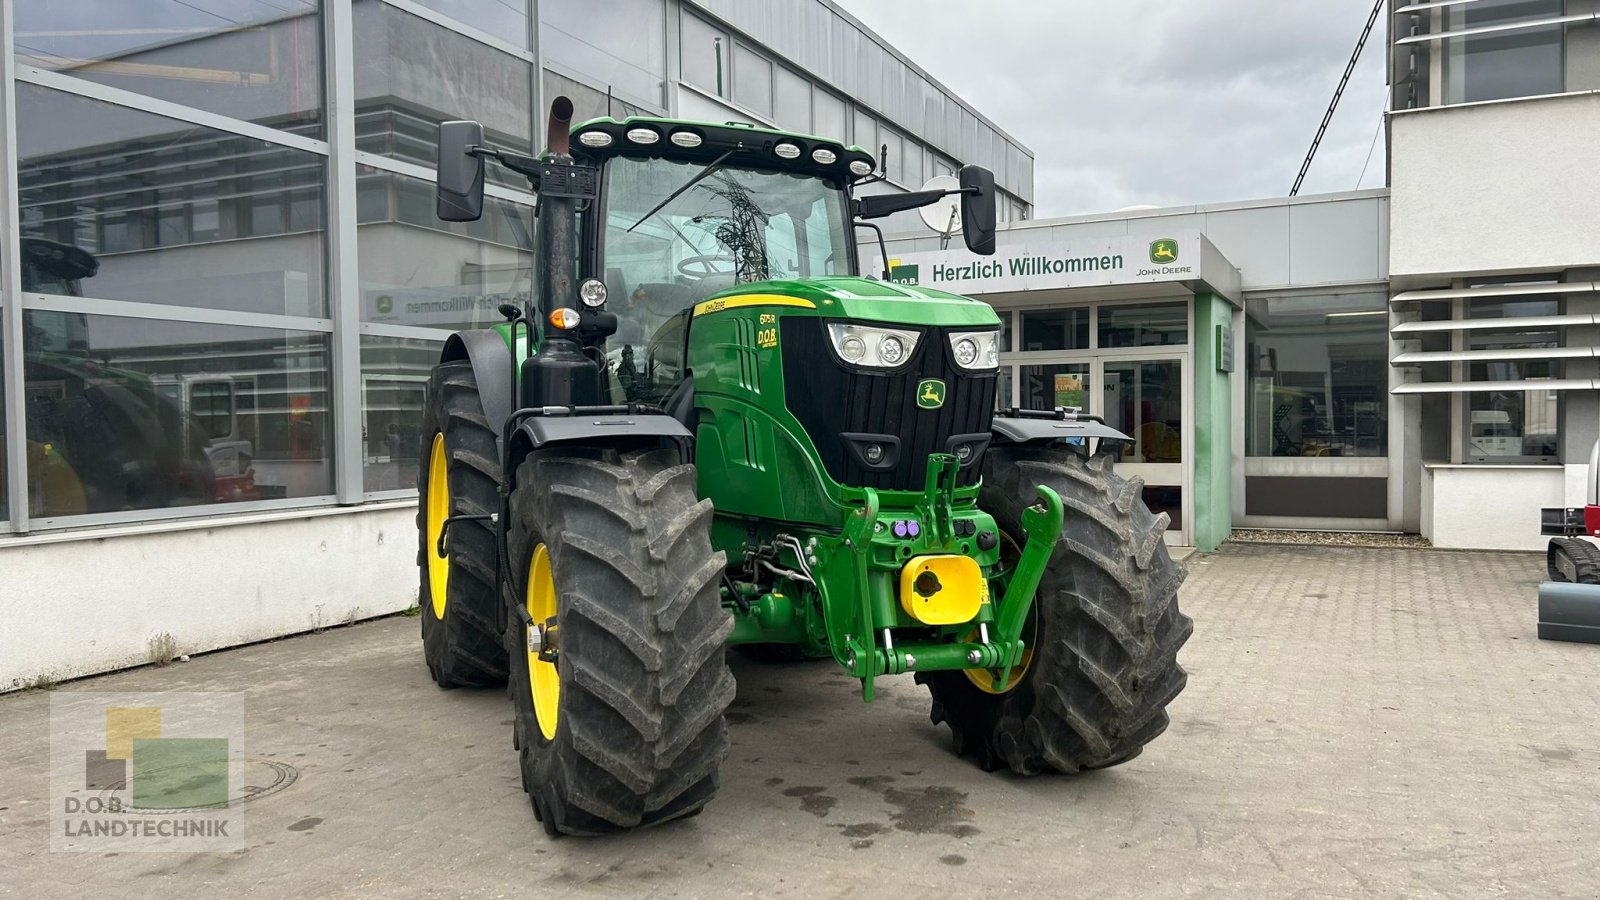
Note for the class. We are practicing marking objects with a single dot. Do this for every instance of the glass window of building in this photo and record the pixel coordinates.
(394, 380)
(412, 74)
(130, 414)
(828, 115)
(791, 100)
(163, 211)
(866, 133)
(1523, 62)
(1055, 329)
(915, 173)
(1145, 325)
(619, 43)
(1144, 399)
(1053, 385)
(894, 161)
(504, 19)
(1513, 425)
(420, 271)
(704, 55)
(752, 80)
(261, 62)
(1318, 376)
(587, 103)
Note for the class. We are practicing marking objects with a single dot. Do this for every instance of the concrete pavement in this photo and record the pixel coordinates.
(1358, 723)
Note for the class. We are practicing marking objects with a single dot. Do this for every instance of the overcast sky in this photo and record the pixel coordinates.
(1156, 101)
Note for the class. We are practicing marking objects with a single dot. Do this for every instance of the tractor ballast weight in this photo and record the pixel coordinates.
(705, 431)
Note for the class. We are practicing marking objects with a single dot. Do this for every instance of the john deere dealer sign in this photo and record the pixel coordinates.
(1103, 261)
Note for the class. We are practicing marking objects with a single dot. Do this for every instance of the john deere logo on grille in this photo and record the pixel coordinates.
(1163, 251)
(930, 393)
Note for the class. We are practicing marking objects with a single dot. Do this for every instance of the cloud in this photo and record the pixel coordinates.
(1164, 103)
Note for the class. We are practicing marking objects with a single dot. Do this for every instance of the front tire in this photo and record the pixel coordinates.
(1107, 628)
(616, 549)
(459, 475)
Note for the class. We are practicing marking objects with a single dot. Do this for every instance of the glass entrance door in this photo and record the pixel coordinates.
(1146, 399)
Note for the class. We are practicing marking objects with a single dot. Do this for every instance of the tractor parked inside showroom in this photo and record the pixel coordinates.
(709, 431)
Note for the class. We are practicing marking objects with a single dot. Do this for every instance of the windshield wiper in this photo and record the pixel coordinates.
(698, 177)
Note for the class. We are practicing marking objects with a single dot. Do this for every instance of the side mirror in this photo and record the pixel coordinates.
(978, 209)
(460, 173)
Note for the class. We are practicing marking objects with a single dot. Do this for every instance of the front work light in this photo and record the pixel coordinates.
(976, 350)
(592, 292)
(878, 348)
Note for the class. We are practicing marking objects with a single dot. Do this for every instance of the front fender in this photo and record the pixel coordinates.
(604, 429)
(1029, 430)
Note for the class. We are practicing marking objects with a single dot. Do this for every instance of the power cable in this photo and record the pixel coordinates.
(1338, 92)
(1371, 147)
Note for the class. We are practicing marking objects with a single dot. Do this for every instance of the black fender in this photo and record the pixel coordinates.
(608, 429)
(1030, 430)
(492, 366)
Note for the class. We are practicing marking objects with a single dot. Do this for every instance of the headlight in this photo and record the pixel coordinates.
(976, 349)
(880, 348)
(592, 292)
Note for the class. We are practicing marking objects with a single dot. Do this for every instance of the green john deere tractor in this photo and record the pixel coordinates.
(709, 431)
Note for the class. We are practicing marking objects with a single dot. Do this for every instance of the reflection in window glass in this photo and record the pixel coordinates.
(248, 59)
(1062, 384)
(1319, 376)
(1055, 329)
(791, 97)
(587, 103)
(418, 270)
(1513, 426)
(828, 113)
(504, 19)
(1154, 325)
(752, 80)
(619, 44)
(1519, 63)
(705, 56)
(127, 414)
(1144, 400)
(412, 74)
(394, 380)
(164, 211)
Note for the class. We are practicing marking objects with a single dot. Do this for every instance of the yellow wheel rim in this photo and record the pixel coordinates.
(438, 510)
(983, 679)
(543, 682)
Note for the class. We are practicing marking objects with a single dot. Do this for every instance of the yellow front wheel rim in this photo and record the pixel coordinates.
(983, 679)
(438, 511)
(543, 681)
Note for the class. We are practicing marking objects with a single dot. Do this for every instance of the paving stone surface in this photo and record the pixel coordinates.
(1358, 722)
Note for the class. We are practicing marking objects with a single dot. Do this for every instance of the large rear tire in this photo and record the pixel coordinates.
(1105, 621)
(459, 475)
(625, 727)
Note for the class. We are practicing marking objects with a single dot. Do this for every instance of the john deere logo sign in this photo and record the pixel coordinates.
(1163, 251)
(930, 393)
(385, 304)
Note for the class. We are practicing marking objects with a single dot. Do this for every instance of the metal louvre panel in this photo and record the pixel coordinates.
(830, 399)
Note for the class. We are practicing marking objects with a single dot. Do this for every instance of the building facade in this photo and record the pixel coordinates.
(222, 283)
(1494, 261)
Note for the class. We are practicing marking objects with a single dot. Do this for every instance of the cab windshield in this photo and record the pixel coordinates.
(732, 227)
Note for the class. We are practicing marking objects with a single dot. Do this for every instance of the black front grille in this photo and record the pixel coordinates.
(830, 399)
